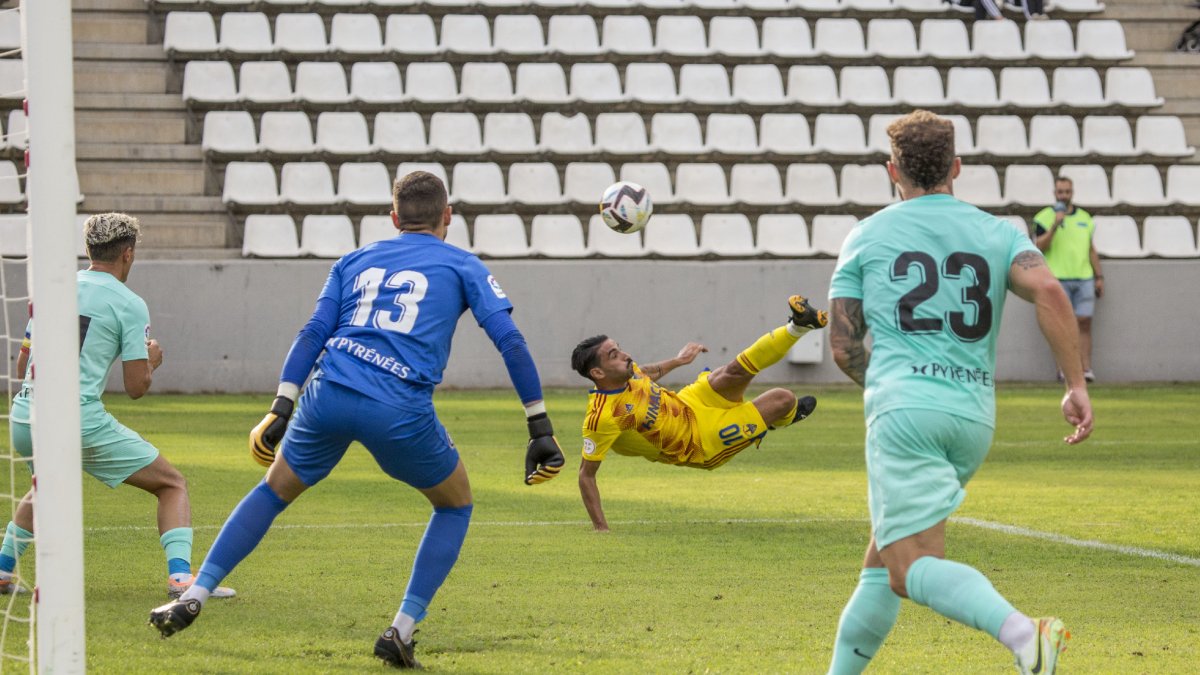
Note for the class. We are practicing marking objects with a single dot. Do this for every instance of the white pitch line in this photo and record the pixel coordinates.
(1013, 530)
(1079, 543)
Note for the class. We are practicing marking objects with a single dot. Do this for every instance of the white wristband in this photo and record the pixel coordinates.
(288, 390)
(535, 409)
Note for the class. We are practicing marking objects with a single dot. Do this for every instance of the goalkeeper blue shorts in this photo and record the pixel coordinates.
(918, 462)
(412, 447)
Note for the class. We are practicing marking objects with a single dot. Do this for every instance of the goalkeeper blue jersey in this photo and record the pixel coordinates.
(398, 302)
(932, 274)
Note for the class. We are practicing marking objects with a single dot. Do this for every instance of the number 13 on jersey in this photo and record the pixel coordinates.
(407, 288)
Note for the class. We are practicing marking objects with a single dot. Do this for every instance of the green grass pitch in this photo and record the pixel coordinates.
(740, 570)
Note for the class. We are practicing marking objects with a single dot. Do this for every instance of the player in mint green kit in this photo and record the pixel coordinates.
(927, 277)
(113, 324)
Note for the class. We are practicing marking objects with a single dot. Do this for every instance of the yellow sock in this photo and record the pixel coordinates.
(767, 350)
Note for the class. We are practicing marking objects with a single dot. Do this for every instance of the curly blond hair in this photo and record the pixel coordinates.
(923, 148)
(108, 234)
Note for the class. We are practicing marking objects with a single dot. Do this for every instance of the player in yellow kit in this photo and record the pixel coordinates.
(703, 425)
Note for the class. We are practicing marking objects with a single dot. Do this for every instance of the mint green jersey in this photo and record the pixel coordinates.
(114, 323)
(932, 274)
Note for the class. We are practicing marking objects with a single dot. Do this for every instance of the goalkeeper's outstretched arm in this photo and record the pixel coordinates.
(543, 456)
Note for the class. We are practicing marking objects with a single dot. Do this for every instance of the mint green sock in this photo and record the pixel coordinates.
(177, 545)
(16, 540)
(959, 592)
(866, 621)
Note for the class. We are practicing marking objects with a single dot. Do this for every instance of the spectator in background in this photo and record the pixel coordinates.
(1064, 232)
(987, 9)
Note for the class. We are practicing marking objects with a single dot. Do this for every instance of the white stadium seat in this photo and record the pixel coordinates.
(979, 185)
(813, 85)
(306, 183)
(318, 82)
(1103, 39)
(999, 40)
(270, 237)
(1054, 136)
(733, 36)
(1169, 237)
(701, 184)
(866, 184)
(264, 82)
(865, 86)
(372, 82)
(326, 236)
(1183, 184)
(355, 34)
(840, 134)
(486, 83)
(557, 237)
(457, 234)
(343, 133)
(431, 83)
(756, 185)
(566, 135)
(583, 181)
(676, 133)
(14, 235)
(628, 35)
(478, 183)
(16, 131)
(945, 39)
(782, 235)
(1163, 136)
(1002, 135)
(973, 87)
(671, 236)
(839, 37)
(732, 134)
(1024, 87)
(1078, 88)
(786, 36)
(400, 133)
(892, 38)
(1091, 185)
(184, 32)
(250, 183)
(228, 132)
(611, 244)
(411, 34)
(1117, 237)
(287, 133)
(704, 83)
(500, 236)
(759, 84)
(1049, 39)
(1138, 185)
(367, 183)
(596, 83)
(651, 175)
(434, 168)
(784, 134)
(534, 183)
(455, 133)
(621, 133)
(812, 184)
(541, 83)
(375, 228)
(877, 138)
(681, 36)
(573, 35)
(829, 232)
(1108, 135)
(964, 137)
(1130, 87)
(1029, 185)
(300, 34)
(518, 34)
(726, 234)
(10, 184)
(245, 33)
(650, 83)
(466, 34)
(203, 81)
(509, 133)
(918, 86)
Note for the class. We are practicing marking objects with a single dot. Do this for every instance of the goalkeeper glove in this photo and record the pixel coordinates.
(268, 433)
(543, 457)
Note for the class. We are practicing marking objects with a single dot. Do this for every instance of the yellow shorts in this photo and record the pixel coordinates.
(726, 428)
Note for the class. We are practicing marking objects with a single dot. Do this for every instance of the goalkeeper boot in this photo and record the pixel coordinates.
(394, 652)
(174, 616)
(175, 589)
(803, 314)
(1051, 640)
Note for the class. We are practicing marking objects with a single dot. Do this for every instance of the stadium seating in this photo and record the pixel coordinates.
(828, 233)
(14, 240)
(557, 236)
(500, 236)
(1117, 237)
(606, 243)
(270, 237)
(781, 235)
(326, 236)
(726, 235)
(1169, 237)
(671, 236)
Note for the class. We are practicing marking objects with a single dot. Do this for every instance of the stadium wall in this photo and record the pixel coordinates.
(226, 325)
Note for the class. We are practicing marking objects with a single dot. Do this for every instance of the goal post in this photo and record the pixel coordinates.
(51, 193)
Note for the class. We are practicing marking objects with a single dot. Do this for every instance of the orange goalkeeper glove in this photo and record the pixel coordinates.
(543, 456)
(268, 433)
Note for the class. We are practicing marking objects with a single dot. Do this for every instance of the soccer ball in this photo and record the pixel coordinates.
(625, 207)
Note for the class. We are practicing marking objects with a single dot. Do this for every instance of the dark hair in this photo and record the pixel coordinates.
(923, 148)
(584, 357)
(419, 199)
(1064, 179)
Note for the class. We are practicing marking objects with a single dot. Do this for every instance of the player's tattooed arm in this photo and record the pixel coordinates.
(847, 331)
(1028, 260)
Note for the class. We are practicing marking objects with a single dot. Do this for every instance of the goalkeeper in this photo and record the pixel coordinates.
(702, 426)
(384, 322)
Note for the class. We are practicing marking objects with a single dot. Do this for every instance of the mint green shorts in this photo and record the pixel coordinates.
(918, 462)
(112, 451)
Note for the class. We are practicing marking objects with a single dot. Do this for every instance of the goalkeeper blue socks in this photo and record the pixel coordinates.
(435, 557)
(16, 540)
(959, 592)
(244, 528)
(866, 621)
(177, 545)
